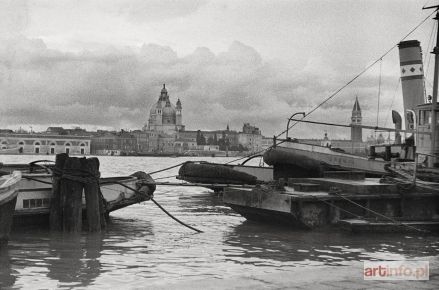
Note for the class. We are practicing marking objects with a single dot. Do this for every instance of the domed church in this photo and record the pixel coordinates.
(164, 117)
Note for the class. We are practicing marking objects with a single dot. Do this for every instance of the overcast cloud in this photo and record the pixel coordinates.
(102, 64)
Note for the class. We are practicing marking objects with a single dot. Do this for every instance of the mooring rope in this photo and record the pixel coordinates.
(380, 215)
(165, 177)
(38, 180)
(167, 168)
(164, 210)
(337, 207)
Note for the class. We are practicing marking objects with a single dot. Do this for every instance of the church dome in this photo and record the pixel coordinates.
(165, 116)
(169, 115)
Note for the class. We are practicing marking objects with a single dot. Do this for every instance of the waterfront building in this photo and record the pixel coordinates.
(44, 143)
(165, 132)
(114, 143)
(164, 117)
(165, 121)
(355, 144)
(250, 138)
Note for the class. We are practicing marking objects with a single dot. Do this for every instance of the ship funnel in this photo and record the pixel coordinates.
(412, 78)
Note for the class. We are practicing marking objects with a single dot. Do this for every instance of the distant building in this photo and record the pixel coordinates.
(43, 143)
(164, 117)
(248, 129)
(165, 121)
(250, 138)
(355, 144)
(56, 130)
(114, 143)
(356, 130)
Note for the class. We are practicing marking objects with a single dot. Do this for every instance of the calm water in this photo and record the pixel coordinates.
(143, 247)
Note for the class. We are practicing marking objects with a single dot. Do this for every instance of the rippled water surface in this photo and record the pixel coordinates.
(143, 247)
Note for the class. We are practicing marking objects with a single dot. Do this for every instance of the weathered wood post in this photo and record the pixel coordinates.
(71, 195)
(55, 202)
(93, 195)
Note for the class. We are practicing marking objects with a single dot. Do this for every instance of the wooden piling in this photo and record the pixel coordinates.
(55, 202)
(71, 195)
(93, 195)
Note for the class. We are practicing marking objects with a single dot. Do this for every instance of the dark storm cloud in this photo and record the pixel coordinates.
(116, 88)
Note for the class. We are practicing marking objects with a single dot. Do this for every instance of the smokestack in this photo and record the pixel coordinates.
(412, 79)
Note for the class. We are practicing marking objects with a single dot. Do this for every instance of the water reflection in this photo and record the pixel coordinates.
(254, 243)
(74, 259)
(143, 247)
(7, 277)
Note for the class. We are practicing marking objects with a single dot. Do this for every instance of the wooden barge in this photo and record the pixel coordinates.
(309, 203)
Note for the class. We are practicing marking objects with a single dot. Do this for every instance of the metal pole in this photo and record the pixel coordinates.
(415, 169)
(361, 126)
(431, 161)
(288, 123)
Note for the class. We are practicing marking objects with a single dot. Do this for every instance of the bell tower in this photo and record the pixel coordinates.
(356, 130)
(179, 117)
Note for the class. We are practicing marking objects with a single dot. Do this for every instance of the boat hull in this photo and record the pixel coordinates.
(34, 196)
(8, 198)
(292, 159)
(367, 226)
(298, 208)
(216, 173)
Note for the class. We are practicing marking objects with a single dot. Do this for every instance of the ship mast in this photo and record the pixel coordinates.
(435, 91)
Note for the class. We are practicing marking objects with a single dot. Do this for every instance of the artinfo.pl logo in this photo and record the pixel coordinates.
(396, 270)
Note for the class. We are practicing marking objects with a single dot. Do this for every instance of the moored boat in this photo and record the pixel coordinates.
(305, 198)
(310, 203)
(294, 159)
(220, 174)
(372, 225)
(8, 198)
(35, 192)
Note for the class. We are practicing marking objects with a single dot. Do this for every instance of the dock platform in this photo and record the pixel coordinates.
(314, 202)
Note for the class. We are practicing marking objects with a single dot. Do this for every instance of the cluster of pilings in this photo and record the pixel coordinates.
(73, 176)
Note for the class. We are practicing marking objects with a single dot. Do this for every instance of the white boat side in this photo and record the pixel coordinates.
(34, 194)
(261, 173)
(8, 186)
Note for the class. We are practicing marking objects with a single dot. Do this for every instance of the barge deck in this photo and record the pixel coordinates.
(308, 203)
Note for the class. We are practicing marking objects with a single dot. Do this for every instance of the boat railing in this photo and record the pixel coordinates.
(289, 120)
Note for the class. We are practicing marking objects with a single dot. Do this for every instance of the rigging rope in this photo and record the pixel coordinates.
(37, 180)
(379, 92)
(167, 168)
(362, 72)
(344, 86)
(433, 30)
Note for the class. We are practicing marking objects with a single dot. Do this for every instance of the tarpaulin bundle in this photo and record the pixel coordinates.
(214, 173)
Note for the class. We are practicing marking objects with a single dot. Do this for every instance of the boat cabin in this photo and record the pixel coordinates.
(424, 141)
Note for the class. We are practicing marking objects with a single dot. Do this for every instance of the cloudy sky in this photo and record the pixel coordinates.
(101, 64)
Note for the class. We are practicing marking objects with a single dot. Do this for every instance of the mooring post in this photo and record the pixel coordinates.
(55, 202)
(71, 195)
(93, 195)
